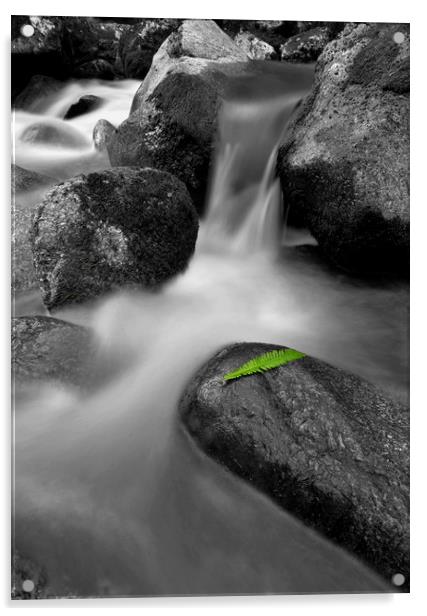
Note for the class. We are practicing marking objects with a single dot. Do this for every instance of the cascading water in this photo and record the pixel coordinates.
(111, 496)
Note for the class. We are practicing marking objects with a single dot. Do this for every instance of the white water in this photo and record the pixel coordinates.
(110, 495)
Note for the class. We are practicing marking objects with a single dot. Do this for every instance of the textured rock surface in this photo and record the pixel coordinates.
(256, 48)
(120, 227)
(173, 115)
(326, 445)
(48, 349)
(86, 103)
(140, 42)
(23, 570)
(344, 166)
(305, 47)
(103, 132)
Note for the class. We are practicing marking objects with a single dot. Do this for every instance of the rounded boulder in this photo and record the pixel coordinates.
(123, 227)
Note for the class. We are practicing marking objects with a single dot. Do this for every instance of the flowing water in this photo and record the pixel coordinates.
(111, 496)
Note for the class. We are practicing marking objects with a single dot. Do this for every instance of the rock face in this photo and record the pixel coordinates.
(103, 132)
(86, 103)
(326, 445)
(47, 349)
(120, 227)
(305, 47)
(140, 42)
(173, 115)
(254, 47)
(344, 166)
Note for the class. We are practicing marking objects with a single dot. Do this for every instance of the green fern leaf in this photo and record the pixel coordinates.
(264, 362)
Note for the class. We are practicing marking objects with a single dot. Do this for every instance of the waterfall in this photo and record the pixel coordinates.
(245, 209)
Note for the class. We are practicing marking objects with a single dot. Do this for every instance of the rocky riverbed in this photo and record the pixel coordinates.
(187, 194)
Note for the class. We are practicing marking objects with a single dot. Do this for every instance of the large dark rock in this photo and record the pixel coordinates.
(305, 47)
(344, 166)
(114, 228)
(86, 103)
(173, 116)
(140, 42)
(48, 349)
(326, 445)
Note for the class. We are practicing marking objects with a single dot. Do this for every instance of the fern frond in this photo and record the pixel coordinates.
(264, 362)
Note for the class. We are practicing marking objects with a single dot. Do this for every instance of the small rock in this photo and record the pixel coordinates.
(96, 233)
(24, 180)
(54, 134)
(255, 47)
(86, 103)
(103, 132)
(47, 349)
(317, 440)
(95, 69)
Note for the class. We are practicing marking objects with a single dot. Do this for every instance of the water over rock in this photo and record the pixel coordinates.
(326, 445)
(25, 180)
(54, 134)
(47, 349)
(103, 132)
(110, 229)
(344, 165)
(63, 47)
(174, 112)
(86, 103)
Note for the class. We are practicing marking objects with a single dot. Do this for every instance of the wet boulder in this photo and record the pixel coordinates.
(33, 96)
(344, 165)
(174, 112)
(327, 446)
(54, 134)
(140, 42)
(86, 103)
(23, 180)
(103, 132)
(254, 47)
(124, 227)
(305, 47)
(27, 188)
(50, 350)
